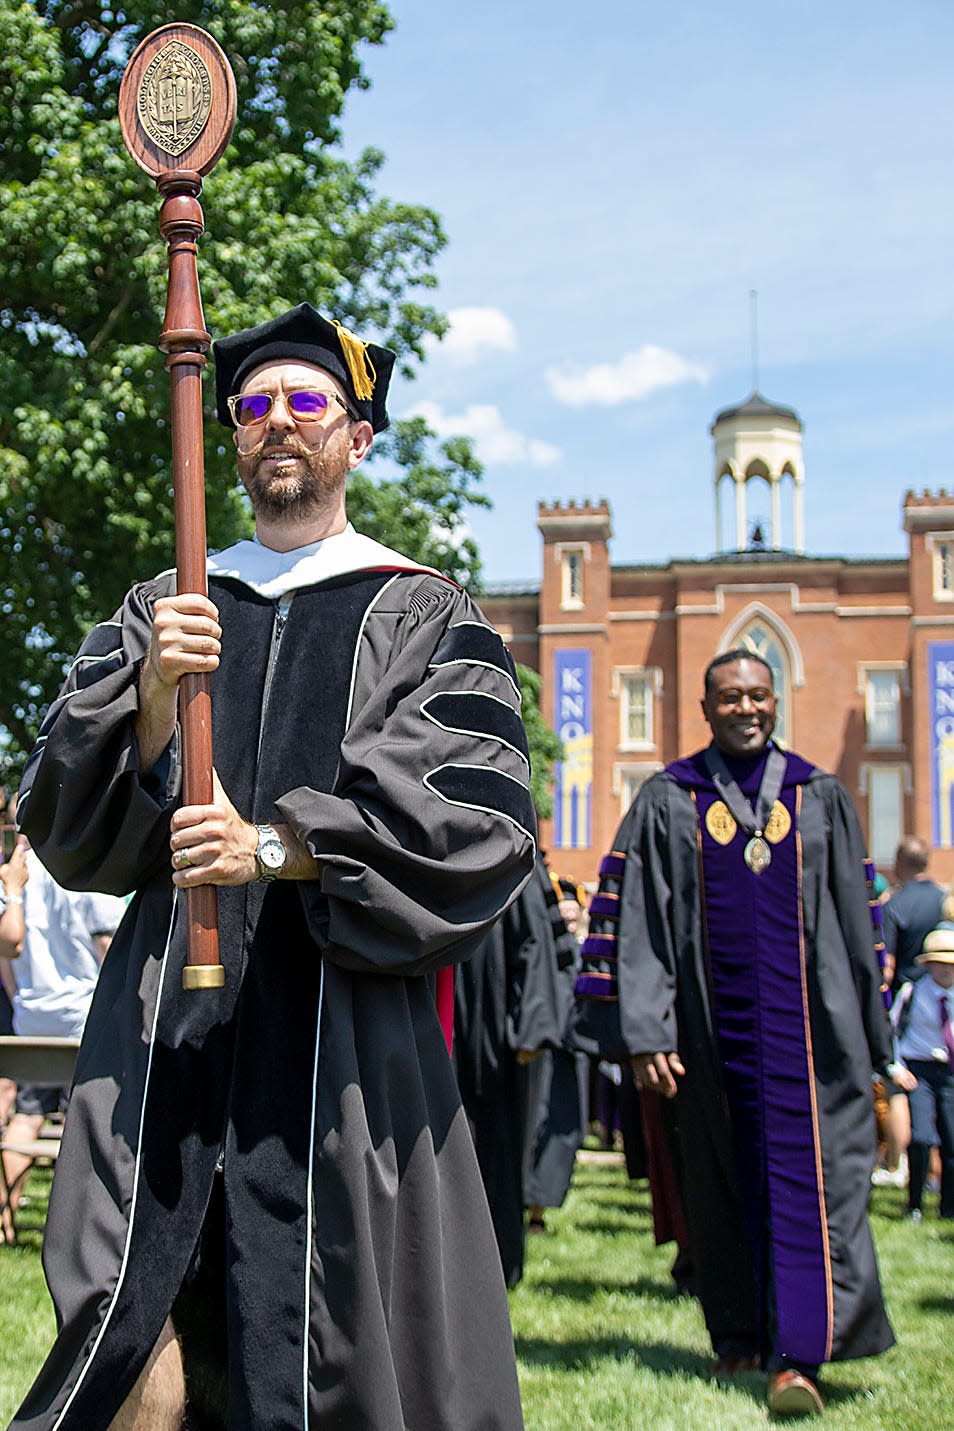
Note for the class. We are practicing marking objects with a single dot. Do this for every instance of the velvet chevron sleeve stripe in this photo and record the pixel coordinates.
(474, 643)
(597, 976)
(479, 714)
(480, 787)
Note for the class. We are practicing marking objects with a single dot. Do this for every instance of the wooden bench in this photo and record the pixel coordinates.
(46, 1063)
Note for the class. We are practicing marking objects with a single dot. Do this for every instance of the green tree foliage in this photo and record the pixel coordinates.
(545, 744)
(85, 494)
(422, 512)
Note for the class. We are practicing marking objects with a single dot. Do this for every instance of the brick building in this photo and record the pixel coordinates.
(862, 649)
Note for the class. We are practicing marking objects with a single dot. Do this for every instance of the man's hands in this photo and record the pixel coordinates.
(13, 872)
(221, 846)
(658, 1072)
(186, 640)
(212, 844)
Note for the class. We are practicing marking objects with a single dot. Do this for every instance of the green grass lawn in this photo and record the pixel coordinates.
(604, 1342)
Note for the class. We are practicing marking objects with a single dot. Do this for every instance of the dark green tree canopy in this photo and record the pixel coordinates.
(85, 496)
(545, 745)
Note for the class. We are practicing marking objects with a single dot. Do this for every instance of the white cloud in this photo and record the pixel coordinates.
(632, 377)
(496, 444)
(475, 331)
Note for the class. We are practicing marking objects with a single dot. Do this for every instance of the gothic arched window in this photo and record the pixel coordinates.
(762, 641)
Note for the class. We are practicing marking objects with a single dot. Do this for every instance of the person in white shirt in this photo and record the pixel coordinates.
(922, 1016)
(57, 939)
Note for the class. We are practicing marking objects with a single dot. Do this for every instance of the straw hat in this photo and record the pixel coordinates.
(938, 947)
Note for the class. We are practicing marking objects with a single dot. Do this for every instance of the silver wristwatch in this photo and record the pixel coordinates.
(271, 855)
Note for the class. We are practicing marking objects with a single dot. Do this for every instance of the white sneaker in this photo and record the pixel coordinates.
(885, 1178)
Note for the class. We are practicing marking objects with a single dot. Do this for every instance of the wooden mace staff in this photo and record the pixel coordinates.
(177, 110)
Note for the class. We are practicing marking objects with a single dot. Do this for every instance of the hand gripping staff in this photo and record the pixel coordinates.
(177, 111)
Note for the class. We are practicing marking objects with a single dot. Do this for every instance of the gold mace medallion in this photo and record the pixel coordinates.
(720, 823)
(778, 825)
(175, 98)
(757, 854)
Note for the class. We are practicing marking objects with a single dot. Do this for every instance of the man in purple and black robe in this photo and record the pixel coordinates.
(733, 962)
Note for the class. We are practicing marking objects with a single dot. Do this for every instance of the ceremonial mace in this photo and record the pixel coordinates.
(177, 111)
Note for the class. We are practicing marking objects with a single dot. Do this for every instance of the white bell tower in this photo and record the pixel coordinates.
(760, 441)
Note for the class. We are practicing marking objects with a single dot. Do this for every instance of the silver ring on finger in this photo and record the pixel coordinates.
(182, 859)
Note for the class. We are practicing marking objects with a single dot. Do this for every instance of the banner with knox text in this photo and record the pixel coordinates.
(940, 663)
(573, 709)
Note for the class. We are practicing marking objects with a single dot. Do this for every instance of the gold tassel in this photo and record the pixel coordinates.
(360, 366)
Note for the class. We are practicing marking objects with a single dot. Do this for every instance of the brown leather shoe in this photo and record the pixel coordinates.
(792, 1393)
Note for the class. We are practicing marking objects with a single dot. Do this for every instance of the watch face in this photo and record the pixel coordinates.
(272, 854)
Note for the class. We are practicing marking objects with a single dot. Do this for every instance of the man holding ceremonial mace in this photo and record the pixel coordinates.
(737, 972)
(267, 1198)
(272, 1184)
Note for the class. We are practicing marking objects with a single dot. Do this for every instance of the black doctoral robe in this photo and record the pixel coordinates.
(512, 995)
(768, 986)
(377, 712)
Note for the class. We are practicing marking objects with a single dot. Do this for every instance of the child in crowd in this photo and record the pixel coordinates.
(922, 1017)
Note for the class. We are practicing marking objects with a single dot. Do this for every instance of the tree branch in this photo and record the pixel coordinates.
(112, 319)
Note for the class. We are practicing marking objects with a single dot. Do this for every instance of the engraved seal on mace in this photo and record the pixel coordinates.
(175, 98)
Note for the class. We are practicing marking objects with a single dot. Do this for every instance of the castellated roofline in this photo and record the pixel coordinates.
(928, 511)
(926, 498)
(572, 508)
(575, 521)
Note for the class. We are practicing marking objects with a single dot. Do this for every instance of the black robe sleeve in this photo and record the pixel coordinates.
(626, 990)
(540, 988)
(94, 817)
(646, 954)
(429, 833)
(846, 880)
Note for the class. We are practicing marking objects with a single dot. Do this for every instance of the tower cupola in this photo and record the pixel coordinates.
(760, 441)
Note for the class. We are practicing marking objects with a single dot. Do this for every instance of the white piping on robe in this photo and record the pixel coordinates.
(485, 626)
(467, 730)
(487, 666)
(357, 647)
(116, 651)
(135, 1192)
(466, 804)
(309, 1219)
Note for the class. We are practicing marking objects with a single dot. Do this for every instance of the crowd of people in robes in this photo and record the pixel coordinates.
(729, 1007)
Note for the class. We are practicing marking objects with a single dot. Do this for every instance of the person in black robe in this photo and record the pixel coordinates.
(558, 1124)
(739, 976)
(511, 1004)
(273, 1184)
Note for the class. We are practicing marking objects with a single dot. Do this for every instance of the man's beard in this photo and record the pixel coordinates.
(314, 487)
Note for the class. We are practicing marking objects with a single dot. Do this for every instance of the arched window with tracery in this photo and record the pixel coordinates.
(763, 642)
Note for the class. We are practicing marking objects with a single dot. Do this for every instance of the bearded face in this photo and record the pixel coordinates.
(287, 480)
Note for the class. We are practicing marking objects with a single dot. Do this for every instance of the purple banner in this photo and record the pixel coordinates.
(940, 670)
(573, 708)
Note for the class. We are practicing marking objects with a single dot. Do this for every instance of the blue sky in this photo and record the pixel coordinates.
(614, 181)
